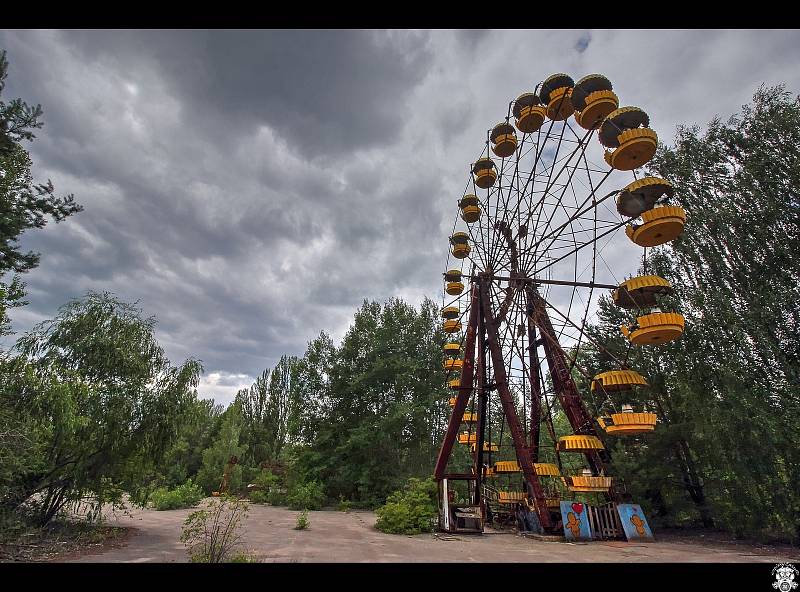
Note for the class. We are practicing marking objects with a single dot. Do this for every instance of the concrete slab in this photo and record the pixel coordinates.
(351, 537)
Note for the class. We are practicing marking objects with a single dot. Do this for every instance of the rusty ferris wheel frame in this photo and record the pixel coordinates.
(528, 226)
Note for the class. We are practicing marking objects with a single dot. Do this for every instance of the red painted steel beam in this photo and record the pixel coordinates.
(536, 391)
(564, 385)
(517, 434)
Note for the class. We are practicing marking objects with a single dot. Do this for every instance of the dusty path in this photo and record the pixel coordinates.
(350, 537)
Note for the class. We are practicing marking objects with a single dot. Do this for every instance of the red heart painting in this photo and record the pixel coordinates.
(577, 507)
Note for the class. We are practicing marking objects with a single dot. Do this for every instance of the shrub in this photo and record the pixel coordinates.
(411, 510)
(214, 534)
(245, 557)
(306, 496)
(276, 497)
(259, 497)
(344, 505)
(266, 480)
(183, 496)
(302, 520)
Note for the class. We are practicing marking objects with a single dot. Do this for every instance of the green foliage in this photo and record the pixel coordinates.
(96, 402)
(411, 510)
(184, 496)
(302, 521)
(306, 496)
(217, 455)
(276, 497)
(379, 401)
(23, 204)
(214, 534)
(727, 450)
(344, 505)
(268, 409)
(244, 557)
(259, 497)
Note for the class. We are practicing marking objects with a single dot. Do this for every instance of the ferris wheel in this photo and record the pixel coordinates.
(544, 202)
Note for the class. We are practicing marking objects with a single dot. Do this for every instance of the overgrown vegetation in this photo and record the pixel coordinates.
(91, 410)
(187, 495)
(214, 534)
(306, 496)
(302, 521)
(727, 450)
(411, 510)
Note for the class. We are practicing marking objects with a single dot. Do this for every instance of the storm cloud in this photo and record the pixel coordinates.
(251, 188)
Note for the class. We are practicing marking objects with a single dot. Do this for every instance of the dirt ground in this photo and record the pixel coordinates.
(351, 537)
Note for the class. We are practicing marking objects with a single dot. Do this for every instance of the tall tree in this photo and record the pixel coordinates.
(23, 204)
(100, 400)
(727, 392)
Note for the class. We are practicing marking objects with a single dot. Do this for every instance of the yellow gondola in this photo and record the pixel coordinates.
(487, 447)
(452, 349)
(470, 208)
(556, 92)
(641, 291)
(655, 328)
(453, 364)
(454, 285)
(504, 140)
(529, 113)
(593, 100)
(659, 225)
(467, 438)
(485, 173)
(579, 443)
(460, 242)
(452, 400)
(511, 497)
(450, 312)
(507, 466)
(588, 484)
(454, 384)
(633, 145)
(617, 380)
(642, 195)
(452, 326)
(628, 423)
(470, 418)
(546, 470)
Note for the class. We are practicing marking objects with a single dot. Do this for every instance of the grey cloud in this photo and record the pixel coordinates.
(252, 188)
(327, 92)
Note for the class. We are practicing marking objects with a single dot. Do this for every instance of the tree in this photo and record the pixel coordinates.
(381, 402)
(727, 391)
(23, 204)
(97, 399)
(269, 412)
(225, 445)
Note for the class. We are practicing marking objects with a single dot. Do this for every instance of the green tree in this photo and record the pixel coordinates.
(727, 391)
(23, 204)
(96, 398)
(225, 445)
(381, 400)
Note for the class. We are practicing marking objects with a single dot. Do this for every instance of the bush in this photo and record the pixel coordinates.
(259, 497)
(183, 496)
(276, 497)
(344, 505)
(245, 557)
(306, 496)
(302, 520)
(213, 535)
(411, 510)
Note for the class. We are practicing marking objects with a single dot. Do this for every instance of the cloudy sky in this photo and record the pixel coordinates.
(250, 189)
